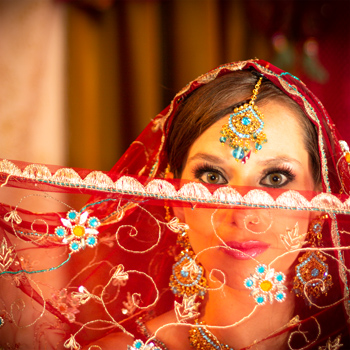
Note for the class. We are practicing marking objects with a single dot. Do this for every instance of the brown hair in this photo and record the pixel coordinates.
(213, 101)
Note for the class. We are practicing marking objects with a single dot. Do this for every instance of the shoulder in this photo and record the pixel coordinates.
(114, 341)
(167, 330)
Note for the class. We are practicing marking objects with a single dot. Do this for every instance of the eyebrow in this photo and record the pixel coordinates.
(207, 157)
(265, 162)
(278, 160)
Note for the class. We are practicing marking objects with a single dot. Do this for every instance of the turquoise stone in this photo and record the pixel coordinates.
(223, 139)
(258, 146)
(238, 153)
(74, 246)
(60, 232)
(184, 273)
(138, 345)
(91, 241)
(246, 121)
(315, 272)
(279, 296)
(72, 215)
(249, 283)
(261, 269)
(317, 228)
(260, 299)
(93, 222)
(279, 278)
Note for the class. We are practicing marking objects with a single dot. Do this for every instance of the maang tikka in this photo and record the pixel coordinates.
(245, 127)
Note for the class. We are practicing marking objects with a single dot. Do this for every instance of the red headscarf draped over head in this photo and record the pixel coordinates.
(69, 277)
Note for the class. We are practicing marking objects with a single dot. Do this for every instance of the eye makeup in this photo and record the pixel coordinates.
(208, 173)
(274, 177)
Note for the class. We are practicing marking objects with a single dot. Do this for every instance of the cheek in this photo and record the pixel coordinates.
(287, 237)
(201, 232)
(288, 230)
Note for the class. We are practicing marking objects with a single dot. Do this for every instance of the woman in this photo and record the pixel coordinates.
(261, 258)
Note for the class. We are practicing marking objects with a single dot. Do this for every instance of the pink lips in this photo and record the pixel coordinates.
(245, 250)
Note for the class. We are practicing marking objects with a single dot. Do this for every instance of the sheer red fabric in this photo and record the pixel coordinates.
(74, 275)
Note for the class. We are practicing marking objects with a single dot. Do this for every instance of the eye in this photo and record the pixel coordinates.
(277, 178)
(208, 174)
(212, 178)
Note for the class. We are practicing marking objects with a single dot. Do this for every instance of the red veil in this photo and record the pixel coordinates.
(71, 276)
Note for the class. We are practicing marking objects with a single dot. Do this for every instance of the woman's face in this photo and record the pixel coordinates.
(251, 236)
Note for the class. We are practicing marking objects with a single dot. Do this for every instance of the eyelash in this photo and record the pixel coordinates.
(284, 170)
(201, 169)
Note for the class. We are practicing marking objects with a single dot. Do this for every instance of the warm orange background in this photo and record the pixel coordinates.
(80, 79)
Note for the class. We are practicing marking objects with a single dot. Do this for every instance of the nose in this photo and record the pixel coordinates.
(256, 221)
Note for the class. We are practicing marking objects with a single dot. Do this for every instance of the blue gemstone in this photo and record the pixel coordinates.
(91, 241)
(279, 296)
(72, 215)
(93, 222)
(223, 139)
(249, 283)
(138, 344)
(74, 246)
(60, 232)
(261, 269)
(279, 278)
(245, 121)
(258, 146)
(317, 228)
(184, 273)
(315, 272)
(260, 299)
(238, 153)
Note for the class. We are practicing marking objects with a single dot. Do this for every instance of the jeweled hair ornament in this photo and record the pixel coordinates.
(245, 126)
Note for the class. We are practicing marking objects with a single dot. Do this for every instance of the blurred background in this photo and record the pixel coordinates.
(79, 80)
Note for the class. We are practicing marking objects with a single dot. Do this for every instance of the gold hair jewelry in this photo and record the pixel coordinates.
(312, 276)
(244, 127)
(187, 278)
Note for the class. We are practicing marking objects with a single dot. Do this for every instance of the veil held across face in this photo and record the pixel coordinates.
(71, 276)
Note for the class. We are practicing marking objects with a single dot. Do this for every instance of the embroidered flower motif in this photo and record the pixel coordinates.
(130, 305)
(83, 295)
(332, 345)
(13, 216)
(140, 345)
(7, 255)
(266, 285)
(79, 230)
(188, 309)
(71, 343)
(292, 239)
(120, 277)
(176, 226)
(66, 304)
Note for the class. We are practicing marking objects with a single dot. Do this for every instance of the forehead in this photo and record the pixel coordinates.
(282, 127)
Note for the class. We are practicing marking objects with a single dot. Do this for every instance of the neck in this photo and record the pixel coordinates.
(243, 322)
